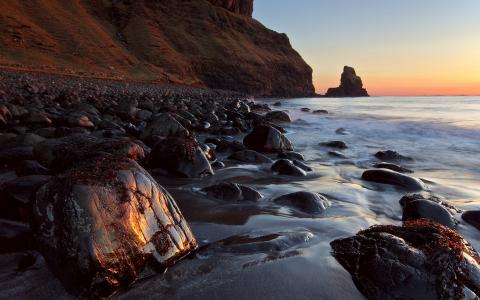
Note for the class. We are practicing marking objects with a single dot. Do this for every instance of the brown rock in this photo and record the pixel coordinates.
(350, 86)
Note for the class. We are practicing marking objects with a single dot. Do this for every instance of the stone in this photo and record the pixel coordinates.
(302, 165)
(419, 260)
(100, 224)
(307, 202)
(305, 109)
(13, 156)
(30, 167)
(286, 167)
(291, 155)
(390, 177)
(15, 236)
(232, 192)
(278, 116)
(424, 209)
(320, 111)
(393, 167)
(79, 120)
(472, 217)
(336, 154)
(350, 85)
(267, 139)
(390, 155)
(181, 157)
(164, 125)
(335, 144)
(37, 118)
(225, 146)
(250, 156)
(23, 189)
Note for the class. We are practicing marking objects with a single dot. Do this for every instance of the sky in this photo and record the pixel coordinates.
(398, 47)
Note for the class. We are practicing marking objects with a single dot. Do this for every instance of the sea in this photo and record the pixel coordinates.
(267, 251)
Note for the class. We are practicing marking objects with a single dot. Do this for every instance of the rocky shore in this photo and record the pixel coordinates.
(86, 212)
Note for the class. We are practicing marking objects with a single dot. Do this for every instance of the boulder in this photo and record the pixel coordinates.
(419, 260)
(286, 167)
(100, 223)
(250, 156)
(291, 155)
(182, 157)
(386, 176)
(232, 192)
(335, 144)
(164, 125)
(424, 209)
(393, 167)
(472, 217)
(278, 116)
(302, 165)
(307, 202)
(265, 138)
(351, 85)
(225, 146)
(390, 155)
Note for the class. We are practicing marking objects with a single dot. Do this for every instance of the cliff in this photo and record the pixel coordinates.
(351, 85)
(207, 43)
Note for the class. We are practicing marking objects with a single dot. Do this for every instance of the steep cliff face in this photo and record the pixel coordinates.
(211, 43)
(243, 7)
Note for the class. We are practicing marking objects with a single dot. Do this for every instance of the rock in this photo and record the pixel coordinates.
(144, 115)
(386, 176)
(428, 197)
(393, 167)
(13, 156)
(79, 120)
(60, 154)
(342, 131)
(232, 192)
(37, 118)
(286, 167)
(218, 165)
(335, 144)
(336, 154)
(229, 146)
(390, 155)
(250, 156)
(320, 111)
(291, 155)
(302, 165)
(164, 125)
(307, 202)
(267, 139)
(14, 236)
(424, 209)
(278, 103)
(100, 223)
(472, 217)
(180, 157)
(28, 140)
(278, 116)
(350, 85)
(305, 109)
(243, 7)
(420, 260)
(30, 167)
(23, 189)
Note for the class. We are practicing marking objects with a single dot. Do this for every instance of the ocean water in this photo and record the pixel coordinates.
(279, 253)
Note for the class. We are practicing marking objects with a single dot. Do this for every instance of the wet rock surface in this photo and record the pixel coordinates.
(420, 260)
(232, 192)
(472, 217)
(393, 167)
(267, 139)
(390, 177)
(250, 156)
(122, 217)
(390, 155)
(307, 202)
(287, 167)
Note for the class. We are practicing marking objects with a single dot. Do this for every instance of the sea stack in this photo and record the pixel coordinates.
(350, 85)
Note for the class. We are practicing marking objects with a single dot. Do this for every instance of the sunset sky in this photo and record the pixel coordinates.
(407, 47)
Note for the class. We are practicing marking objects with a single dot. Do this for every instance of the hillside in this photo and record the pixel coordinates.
(214, 43)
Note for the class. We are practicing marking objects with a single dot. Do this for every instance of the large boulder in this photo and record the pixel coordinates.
(165, 125)
(386, 176)
(182, 157)
(351, 85)
(419, 260)
(100, 223)
(265, 138)
(278, 116)
(472, 217)
(232, 192)
(307, 202)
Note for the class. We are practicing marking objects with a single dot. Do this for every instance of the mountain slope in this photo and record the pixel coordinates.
(212, 43)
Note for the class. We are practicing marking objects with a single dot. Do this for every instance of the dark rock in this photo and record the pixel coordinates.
(335, 144)
(429, 197)
(342, 131)
(225, 146)
(390, 155)
(393, 167)
(424, 209)
(79, 120)
(30, 167)
(472, 217)
(286, 167)
(302, 165)
(386, 176)
(320, 111)
(37, 118)
(420, 260)
(305, 109)
(15, 236)
(164, 125)
(101, 222)
(278, 116)
(13, 156)
(267, 139)
(278, 103)
(232, 192)
(250, 156)
(218, 165)
(336, 154)
(291, 155)
(350, 86)
(23, 189)
(312, 203)
(181, 157)
(28, 140)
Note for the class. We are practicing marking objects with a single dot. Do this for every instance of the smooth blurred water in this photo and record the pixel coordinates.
(442, 134)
